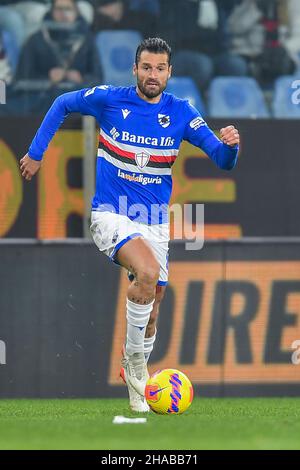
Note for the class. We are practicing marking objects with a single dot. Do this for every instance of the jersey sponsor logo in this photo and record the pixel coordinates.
(140, 178)
(141, 139)
(164, 120)
(142, 159)
(125, 113)
(197, 122)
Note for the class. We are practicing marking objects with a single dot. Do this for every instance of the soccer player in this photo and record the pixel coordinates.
(141, 128)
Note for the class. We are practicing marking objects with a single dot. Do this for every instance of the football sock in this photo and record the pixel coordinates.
(137, 319)
(148, 346)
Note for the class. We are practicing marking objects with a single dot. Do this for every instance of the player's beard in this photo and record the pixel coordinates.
(147, 90)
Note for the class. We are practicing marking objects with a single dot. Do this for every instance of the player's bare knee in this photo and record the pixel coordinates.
(148, 276)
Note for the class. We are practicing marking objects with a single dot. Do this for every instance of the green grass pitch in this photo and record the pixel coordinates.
(209, 424)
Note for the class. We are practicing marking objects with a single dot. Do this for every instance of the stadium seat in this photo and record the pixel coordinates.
(185, 88)
(117, 54)
(237, 97)
(284, 106)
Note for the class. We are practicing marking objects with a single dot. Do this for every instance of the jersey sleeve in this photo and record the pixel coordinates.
(89, 102)
(199, 134)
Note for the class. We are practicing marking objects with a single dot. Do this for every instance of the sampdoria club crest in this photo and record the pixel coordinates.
(164, 120)
(142, 159)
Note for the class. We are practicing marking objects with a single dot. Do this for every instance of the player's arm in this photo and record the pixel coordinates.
(223, 151)
(86, 102)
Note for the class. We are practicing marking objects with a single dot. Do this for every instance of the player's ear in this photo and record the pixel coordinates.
(170, 71)
(134, 70)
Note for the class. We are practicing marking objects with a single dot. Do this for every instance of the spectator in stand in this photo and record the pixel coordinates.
(193, 28)
(146, 14)
(291, 19)
(61, 55)
(253, 27)
(139, 15)
(26, 16)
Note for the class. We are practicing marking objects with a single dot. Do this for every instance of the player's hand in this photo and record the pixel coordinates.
(29, 167)
(230, 135)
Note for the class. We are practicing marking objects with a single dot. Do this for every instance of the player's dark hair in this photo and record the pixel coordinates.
(155, 45)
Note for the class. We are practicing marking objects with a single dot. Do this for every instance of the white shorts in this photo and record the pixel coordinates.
(111, 231)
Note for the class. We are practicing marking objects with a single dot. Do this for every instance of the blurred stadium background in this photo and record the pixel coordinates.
(231, 315)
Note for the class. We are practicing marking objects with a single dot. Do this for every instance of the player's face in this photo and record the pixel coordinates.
(152, 72)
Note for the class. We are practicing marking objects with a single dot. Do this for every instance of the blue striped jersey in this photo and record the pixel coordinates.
(138, 145)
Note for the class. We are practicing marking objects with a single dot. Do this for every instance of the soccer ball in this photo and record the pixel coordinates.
(169, 391)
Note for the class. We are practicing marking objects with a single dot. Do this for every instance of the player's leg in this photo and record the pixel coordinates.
(150, 335)
(137, 402)
(137, 257)
(120, 239)
(158, 237)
